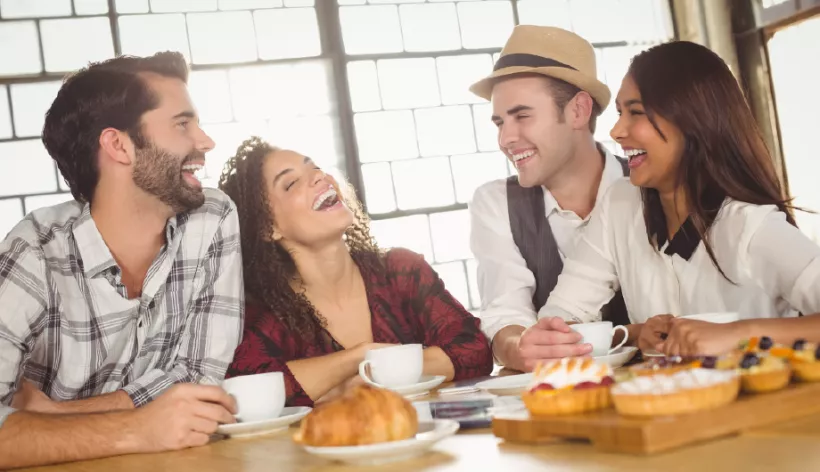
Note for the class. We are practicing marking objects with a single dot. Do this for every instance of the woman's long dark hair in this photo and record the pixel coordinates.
(268, 267)
(724, 153)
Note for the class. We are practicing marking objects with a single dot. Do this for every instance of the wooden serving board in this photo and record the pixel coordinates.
(610, 432)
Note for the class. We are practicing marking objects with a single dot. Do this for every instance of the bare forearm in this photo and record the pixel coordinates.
(634, 333)
(784, 330)
(437, 362)
(114, 401)
(33, 439)
(320, 375)
(505, 347)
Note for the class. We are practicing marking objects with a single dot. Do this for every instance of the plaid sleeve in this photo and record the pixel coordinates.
(22, 301)
(214, 323)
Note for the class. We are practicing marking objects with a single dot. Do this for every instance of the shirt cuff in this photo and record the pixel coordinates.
(5, 411)
(148, 387)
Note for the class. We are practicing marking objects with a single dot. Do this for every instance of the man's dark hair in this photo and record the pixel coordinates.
(563, 92)
(108, 94)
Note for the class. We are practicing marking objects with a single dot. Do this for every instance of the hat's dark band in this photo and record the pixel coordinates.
(528, 60)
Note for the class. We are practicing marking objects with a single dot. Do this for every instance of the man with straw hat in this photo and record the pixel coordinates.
(546, 97)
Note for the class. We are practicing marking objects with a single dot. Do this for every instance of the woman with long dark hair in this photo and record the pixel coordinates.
(703, 225)
(320, 293)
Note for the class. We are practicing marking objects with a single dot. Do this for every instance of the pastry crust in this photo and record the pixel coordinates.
(567, 401)
(363, 415)
(676, 403)
(767, 381)
(806, 371)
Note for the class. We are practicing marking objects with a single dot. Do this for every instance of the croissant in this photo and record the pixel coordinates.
(363, 415)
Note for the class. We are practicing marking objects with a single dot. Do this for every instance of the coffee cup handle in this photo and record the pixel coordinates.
(363, 373)
(623, 341)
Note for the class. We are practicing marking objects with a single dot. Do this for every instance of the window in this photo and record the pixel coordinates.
(374, 90)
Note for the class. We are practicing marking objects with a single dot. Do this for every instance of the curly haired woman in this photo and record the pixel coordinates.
(320, 293)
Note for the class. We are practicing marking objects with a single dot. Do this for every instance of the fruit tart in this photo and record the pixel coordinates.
(685, 391)
(763, 372)
(363, 415)
(673, 364)
(805, 360)
(568, 386)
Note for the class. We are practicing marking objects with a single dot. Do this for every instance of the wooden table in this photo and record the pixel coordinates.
(781, 447)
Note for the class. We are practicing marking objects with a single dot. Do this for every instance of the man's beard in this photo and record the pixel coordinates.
(159, 173)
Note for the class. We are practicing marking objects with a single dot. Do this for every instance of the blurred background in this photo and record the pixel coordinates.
(376, 90)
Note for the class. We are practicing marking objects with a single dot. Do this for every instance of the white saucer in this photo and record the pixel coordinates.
(424, 385)
(507, 385)
(652, 353)
(619, 357)
(288, 416)
(430, 432)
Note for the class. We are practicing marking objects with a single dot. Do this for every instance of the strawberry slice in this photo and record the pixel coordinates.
(607, 381)
(583, 385)
(543, 386)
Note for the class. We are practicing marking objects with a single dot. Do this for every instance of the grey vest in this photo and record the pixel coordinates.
(533, 236)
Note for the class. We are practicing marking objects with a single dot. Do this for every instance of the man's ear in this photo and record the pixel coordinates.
(117, 146)
(580, 110)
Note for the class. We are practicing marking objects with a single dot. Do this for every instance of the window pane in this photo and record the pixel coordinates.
(472, 279)
(551, 13)
(455, 281)
(281, 90)
(368, 30)
(352, 2)
(24, 57)
(42, 201)
(211, 95)
(430, 27)
(164, 6)
(222, 37)
(485, 130)
(445, 130)
(451, 235)
(313, 136)
(72, 44)
(228, 137)
(5, 114)
(287, 33)
(650, 20)
(34, 8)
(615, 62)
(248, 4)
(310, 93)
(386, 135)
(91, 7)
(378, 185)
(423, 183)
(30, 102)
(132, 6)
(26, 167)
(144, 35)
(395, 1)
(485, 24)
(605, 24)
(605, 123)
(408, 83)
(364, 86)
(472, 170)
(299, 3)
(457, 73)
(11, 212)
(410, 232)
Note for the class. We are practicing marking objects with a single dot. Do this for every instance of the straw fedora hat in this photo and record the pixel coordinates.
(550, 51)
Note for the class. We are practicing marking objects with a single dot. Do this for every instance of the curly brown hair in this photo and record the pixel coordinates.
(268, 268)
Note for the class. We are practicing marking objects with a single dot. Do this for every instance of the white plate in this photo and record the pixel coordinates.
(430, 432)
(652, 353)
(507, 385)
(619, 357)
(424, 385)
(288, 416)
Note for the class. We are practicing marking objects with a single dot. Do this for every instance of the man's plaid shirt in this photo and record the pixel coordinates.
(67, 325)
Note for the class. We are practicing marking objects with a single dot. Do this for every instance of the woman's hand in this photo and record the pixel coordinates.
(653, 331)
(701, 338)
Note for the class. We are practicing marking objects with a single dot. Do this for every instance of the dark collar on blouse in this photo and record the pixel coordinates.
(686, 239)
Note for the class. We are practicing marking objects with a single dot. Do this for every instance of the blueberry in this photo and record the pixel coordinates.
(799, 345)
(817, 353)
(765, 343)
(749, 360)
(709, 362)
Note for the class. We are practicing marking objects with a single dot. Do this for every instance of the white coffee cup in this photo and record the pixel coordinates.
(718, 317)
(599, 335)
(258, 397)
(394, 366)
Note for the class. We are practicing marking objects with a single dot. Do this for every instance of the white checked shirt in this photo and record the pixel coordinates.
(67, 325)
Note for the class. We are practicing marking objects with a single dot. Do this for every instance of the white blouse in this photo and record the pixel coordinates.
(775, 267)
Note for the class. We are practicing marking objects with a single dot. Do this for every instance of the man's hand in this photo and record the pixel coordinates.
(654, 331)
(29, 398)
(701, 338)
(550, 338)
(184, 416)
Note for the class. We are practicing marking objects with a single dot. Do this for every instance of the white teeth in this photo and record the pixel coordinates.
(328, 194)
(523, 155)
(192, 167)
(634, 152)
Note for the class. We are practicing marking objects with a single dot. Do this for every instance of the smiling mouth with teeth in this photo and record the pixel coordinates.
(192, 169)
(328, 199)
